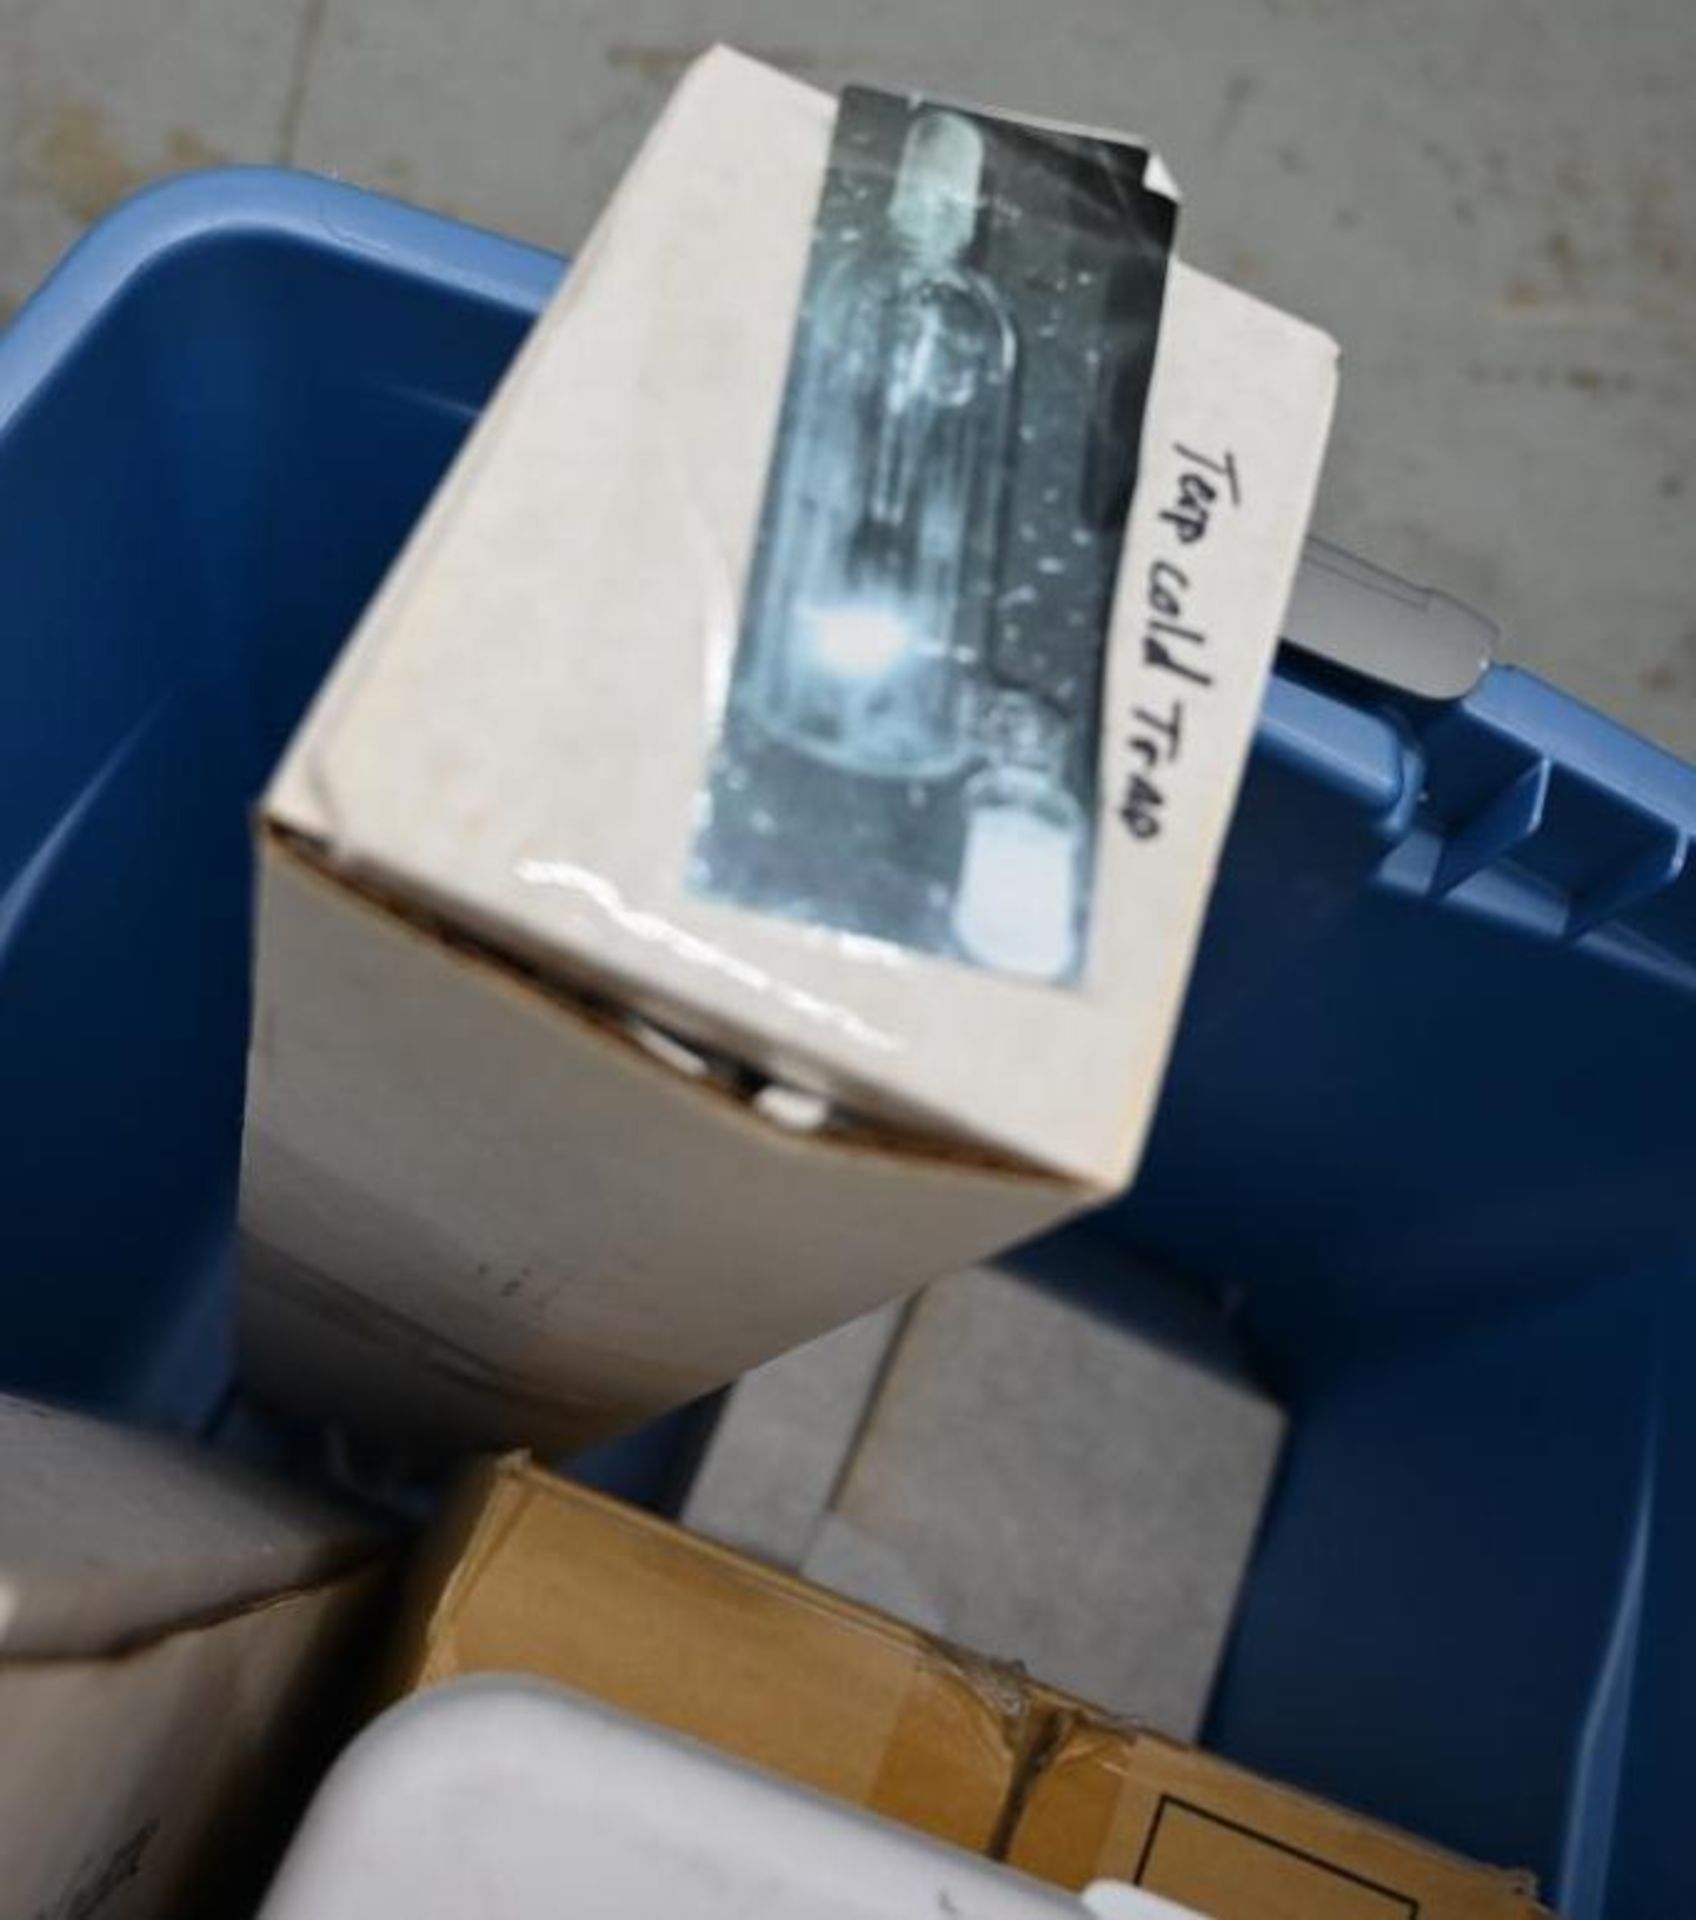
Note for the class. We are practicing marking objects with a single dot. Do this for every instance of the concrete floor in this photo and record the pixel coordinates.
(1490, 202)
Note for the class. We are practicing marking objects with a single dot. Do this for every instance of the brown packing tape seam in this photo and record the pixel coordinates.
(1003, 1723)
(1061, 1725)
(1076, 1730)
(1046, 1732)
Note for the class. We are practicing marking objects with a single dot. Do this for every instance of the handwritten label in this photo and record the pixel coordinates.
(1175, 646)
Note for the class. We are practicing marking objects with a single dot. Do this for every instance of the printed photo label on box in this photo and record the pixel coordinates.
(910, 746)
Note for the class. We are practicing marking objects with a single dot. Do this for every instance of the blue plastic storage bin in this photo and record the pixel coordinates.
(1429, 1133)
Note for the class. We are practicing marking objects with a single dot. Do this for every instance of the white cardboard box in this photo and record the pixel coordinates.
(166, 1621)
(474, 1207)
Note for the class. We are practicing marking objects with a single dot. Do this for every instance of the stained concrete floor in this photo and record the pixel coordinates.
(1491, 203)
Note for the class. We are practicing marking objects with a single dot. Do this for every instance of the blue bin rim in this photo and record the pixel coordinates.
(1363, 751)
(143, 231)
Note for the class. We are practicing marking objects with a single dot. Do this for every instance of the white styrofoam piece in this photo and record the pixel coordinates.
(513, 1800)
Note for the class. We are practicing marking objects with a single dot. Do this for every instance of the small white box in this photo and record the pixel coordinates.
(476, 1207)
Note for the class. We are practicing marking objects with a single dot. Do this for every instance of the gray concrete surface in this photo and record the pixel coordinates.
(1490, 202)
(998, 1466)
(1049, 1488)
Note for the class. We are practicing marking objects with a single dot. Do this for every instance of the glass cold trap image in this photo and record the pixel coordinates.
(909, 746)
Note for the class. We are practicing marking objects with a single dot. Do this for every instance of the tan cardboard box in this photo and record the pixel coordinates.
(527, 1573)
(476, 1208)
(530, 1574)
(172, 1631)
(1114, 1802)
